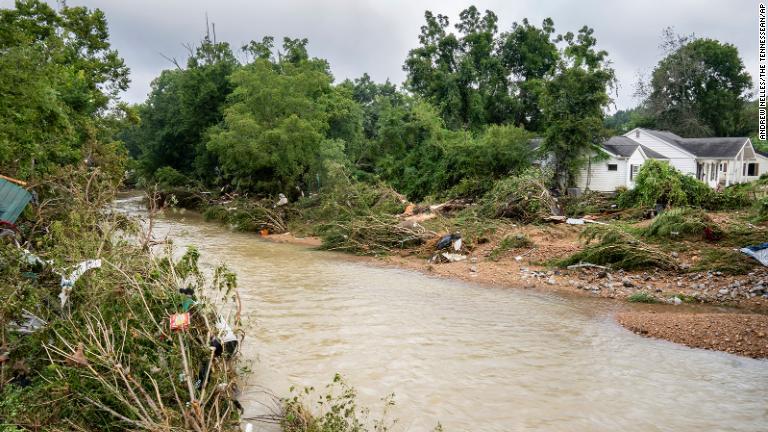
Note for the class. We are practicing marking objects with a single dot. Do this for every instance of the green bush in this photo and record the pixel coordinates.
(642, 297)
(618, 249)
(658, 182)
(682, 223)
(170, 177)
(524, 198)
(727, 261)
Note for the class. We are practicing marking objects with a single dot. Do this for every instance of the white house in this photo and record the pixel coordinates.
(718, 162)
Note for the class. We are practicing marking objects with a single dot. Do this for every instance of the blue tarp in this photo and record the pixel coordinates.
(13, 199)
(758, 252)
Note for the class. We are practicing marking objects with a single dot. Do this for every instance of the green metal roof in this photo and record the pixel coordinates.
(13, 199)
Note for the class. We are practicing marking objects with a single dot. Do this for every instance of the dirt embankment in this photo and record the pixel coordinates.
(742, 334)
(525, 268)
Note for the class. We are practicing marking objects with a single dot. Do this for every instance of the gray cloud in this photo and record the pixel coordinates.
(358, 36)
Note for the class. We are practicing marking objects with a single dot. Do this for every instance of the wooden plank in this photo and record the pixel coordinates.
(13, 180)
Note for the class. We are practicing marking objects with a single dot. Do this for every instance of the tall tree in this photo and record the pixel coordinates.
(181, 106)
(285, 124)
(461, 75)
(699, 88)
(58, 75)
(530, 54)
(573, 102)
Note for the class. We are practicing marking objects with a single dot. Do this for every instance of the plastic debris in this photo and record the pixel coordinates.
(758, 252)
(573, 221)
(68, 282)
(448, 240)
(457, 245)
(227, 336)
(453, 257)
(180, 321)
(31, 324)
(282, 200)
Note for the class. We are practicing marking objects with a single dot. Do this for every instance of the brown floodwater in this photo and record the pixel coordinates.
(471, 357)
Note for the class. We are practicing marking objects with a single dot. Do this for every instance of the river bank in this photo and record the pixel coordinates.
(737, 306)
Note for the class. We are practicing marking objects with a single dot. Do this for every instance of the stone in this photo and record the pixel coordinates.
(473, 269)
(676, 300)
(674, 254)
(551, 281)
(724, 291)
(627, 283)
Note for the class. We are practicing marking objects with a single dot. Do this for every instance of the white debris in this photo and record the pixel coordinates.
(225, 331)
(453, 257)
(68, 282)
(282, 200)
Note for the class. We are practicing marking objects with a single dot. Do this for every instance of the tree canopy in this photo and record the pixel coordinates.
(58, 75)
(699, 88)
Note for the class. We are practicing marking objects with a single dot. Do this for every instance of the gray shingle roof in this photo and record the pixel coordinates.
(624, 147)
(715, 147)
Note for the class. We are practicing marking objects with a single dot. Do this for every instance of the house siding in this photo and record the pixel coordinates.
(636, 159)
(603, 180)
(684, 162)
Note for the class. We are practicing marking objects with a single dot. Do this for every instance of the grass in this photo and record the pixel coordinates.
(618, 249)
(727, 261)
(509, 242)
(642, 297)
(680, 223)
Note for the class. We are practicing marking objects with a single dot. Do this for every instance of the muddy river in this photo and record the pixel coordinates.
(473, 358)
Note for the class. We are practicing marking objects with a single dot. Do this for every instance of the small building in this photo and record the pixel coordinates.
(718, 161)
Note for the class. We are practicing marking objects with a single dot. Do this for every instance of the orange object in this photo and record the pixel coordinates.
(180, 322)
(13, 180)
(264, 232)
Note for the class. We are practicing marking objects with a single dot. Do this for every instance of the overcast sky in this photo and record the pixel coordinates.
(374, 36)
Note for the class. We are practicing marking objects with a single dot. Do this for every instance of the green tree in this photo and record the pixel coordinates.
(477, 76)
(461, 75)
(285, 126)
(58, 75)
(573, 102)
(530, 54)
(699, 88)
(182, 105)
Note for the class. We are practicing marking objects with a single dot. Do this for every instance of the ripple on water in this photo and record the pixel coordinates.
(471, 357)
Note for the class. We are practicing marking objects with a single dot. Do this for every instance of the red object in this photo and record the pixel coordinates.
(180, 322)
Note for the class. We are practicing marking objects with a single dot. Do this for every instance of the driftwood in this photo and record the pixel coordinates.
(581, 265)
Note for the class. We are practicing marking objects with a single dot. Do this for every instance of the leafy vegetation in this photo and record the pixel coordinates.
(728, 261)
(683, 223)
(509, 242)
(642, 297)
(618, 249)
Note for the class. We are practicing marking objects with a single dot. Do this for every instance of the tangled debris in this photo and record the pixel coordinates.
(109, 358)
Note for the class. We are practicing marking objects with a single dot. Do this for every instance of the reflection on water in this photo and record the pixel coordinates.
(471, 357)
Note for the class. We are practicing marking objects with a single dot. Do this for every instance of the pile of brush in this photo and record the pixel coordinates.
(611, 246)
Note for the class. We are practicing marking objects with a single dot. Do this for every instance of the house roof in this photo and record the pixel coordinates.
(703, 147)
(624, 147)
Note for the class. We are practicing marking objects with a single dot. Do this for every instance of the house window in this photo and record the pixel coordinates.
(724, 166)
(613, 167)
(751, 169)
(633, 172)
(712, 171)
